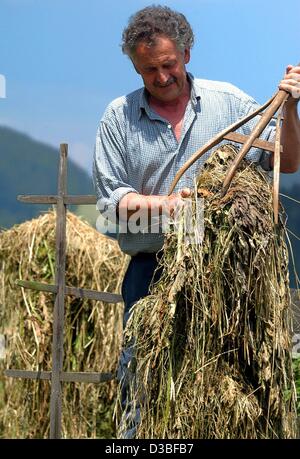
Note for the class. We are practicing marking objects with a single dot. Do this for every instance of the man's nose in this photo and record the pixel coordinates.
(162, 77)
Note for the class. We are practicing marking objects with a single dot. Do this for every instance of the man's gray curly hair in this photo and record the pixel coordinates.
(150, 22)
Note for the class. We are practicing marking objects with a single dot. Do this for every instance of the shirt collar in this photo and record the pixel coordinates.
(143, 98)
(195, 90)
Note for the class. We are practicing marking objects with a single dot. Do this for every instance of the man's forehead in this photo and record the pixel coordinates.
(161, 44)
(164, 49)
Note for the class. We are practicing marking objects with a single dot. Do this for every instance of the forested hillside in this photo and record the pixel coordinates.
(31, 167)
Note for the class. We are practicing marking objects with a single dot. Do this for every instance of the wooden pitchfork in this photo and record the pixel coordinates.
(273, 105)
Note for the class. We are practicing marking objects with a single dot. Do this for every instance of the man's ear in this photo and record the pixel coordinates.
(187, 55)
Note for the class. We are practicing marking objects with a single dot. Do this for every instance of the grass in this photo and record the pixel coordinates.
(93, 330)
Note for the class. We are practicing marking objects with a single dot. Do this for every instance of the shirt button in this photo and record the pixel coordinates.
(169, 126)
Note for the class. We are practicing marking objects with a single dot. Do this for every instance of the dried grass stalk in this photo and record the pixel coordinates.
(93, 330)
(213, 340)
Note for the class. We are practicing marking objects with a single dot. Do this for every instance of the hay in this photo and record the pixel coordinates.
(213, 340)
(93, 329)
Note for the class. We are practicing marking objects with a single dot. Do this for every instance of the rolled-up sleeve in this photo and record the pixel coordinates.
(109, 168)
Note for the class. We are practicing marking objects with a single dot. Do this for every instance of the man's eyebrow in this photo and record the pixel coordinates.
(151, 66)
(170, 62)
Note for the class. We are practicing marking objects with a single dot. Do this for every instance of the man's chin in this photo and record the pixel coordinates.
(167, 96)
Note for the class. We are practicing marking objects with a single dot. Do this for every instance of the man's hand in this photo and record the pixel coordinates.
(291, 81)
(152, 205)
(174, 201)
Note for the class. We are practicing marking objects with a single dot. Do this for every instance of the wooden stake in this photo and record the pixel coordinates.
(276, 171)
(58, 317)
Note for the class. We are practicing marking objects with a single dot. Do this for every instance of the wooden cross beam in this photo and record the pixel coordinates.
(60, 290)
(72, 291)
(53, 199)
(73, 376)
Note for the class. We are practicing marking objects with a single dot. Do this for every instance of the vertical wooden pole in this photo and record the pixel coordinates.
(58, 316)
(276, 167)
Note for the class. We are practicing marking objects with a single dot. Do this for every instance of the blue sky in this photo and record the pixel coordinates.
(63, 63)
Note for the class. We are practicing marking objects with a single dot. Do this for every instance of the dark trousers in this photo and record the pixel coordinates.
(137, 281)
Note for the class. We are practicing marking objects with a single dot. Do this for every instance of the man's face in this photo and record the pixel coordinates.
(162, 67)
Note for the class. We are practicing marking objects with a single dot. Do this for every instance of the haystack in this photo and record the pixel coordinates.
(213, 340)
(93, 329)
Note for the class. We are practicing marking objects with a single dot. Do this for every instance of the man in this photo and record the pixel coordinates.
(144, 138)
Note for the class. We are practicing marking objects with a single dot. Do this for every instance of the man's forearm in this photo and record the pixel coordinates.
(132, 202)
(150, 205)
(290, 138)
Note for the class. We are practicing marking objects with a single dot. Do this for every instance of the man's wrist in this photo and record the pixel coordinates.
(291, 103)
(290, 110)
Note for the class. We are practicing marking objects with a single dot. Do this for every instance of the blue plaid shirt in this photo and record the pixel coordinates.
(136, 149)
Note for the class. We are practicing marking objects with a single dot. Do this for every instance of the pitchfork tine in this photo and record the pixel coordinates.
(276, 171)
(214, 141)
(278, 100)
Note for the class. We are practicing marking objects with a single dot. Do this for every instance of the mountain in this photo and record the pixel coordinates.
(31, 167)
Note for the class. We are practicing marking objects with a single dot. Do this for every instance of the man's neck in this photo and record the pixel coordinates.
(173, 111)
